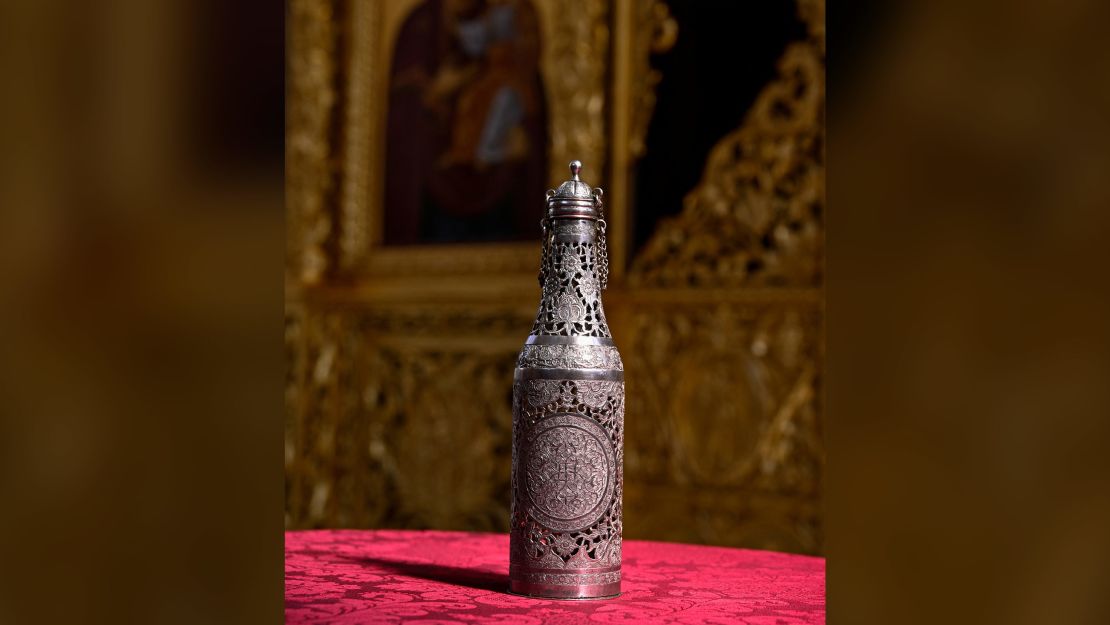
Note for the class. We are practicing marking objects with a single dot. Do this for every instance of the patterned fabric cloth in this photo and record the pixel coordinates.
(354, 576)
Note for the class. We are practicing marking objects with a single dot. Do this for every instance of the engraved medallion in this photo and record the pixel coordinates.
(568, 471)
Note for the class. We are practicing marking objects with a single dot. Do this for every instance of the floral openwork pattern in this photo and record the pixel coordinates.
(535, 403)
(571, 300)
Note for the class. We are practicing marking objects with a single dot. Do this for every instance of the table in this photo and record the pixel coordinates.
(434, 577)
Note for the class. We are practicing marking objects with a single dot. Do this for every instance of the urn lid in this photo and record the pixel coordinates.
(574, 198)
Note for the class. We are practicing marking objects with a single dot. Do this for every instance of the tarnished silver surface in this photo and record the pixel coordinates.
(568, 415)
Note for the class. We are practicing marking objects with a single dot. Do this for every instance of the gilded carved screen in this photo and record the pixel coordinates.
(400, 357)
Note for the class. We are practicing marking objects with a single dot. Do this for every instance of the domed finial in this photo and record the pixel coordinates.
(574, 199)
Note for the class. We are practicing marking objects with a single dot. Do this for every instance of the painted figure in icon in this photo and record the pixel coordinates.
(466, 135)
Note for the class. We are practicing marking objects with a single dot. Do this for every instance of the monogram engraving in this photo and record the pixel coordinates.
(568, 472)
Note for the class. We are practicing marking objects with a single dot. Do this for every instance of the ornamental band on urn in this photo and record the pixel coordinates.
(568, 415)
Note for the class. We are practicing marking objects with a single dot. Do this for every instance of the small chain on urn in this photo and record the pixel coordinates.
(568, 415)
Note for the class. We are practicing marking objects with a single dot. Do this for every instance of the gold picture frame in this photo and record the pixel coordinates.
(574, 64)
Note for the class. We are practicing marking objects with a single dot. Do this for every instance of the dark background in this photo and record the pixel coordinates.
(696, 104)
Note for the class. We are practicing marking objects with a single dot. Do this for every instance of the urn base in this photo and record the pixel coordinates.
(566, 588)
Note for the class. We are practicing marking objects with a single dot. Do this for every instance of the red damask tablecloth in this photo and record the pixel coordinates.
(426, 578)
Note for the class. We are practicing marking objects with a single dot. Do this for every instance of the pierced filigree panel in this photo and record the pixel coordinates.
(593, 409)
(571, 300)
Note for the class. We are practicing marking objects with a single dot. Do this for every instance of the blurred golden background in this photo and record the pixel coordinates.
(421, 135)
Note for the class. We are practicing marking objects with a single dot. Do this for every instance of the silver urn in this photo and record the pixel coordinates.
(568, 415)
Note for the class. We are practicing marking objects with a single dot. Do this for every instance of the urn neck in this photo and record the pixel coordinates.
(571, 281)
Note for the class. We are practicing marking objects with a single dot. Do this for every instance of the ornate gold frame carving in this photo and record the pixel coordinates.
(311, 99)
(640, 29)
(574, 65)
(745, 318)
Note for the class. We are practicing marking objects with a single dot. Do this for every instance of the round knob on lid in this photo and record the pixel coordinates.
(575, 167)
